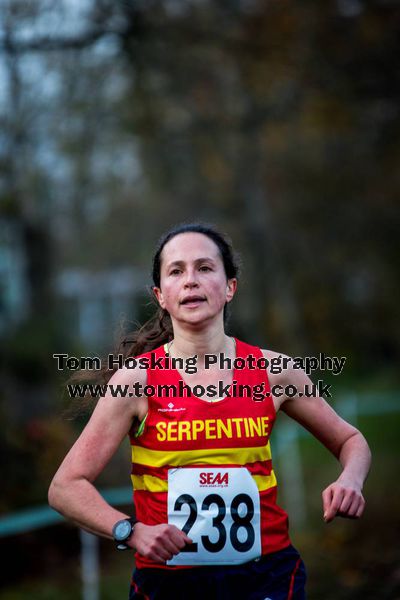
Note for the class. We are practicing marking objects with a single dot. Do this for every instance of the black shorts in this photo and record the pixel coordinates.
(277, 576)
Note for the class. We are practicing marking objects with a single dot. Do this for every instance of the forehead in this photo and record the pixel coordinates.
(188, 247)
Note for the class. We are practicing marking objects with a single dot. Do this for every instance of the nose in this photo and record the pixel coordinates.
(191, 278)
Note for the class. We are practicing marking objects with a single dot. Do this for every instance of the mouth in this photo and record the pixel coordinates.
(192, 301)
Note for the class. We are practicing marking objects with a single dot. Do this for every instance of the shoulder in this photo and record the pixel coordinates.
(279, 364)
(124, 393)
(134, 368)
(128, 375)
(283, 372)
(283, 368)
(305, 405)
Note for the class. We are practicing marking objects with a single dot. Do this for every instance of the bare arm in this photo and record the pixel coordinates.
(344, 496)
(72, 492)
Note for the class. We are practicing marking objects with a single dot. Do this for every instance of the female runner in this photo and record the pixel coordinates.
(207, 524)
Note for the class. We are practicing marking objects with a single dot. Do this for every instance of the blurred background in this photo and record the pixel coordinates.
(278, 122)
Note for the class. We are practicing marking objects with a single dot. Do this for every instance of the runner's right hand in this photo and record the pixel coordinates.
(158, 542)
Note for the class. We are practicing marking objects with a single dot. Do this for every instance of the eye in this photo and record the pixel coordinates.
(174, 271)
(205, 268)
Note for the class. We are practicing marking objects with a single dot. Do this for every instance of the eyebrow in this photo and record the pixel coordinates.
(181, 263)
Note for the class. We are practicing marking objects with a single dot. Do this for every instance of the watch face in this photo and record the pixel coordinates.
(122, 530)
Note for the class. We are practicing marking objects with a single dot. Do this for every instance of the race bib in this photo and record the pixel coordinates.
(219, 509)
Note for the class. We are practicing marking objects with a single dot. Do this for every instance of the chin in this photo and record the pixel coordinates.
(201, 319)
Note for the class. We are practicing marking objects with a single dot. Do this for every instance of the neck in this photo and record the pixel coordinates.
(209, 341)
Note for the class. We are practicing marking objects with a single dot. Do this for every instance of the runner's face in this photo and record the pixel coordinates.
(194, 287)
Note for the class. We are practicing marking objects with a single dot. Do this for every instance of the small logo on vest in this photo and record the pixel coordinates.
(171, 408)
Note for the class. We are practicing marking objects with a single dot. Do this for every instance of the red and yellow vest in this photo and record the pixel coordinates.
(184, 432)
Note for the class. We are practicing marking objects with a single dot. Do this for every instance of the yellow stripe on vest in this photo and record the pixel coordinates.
(264, 482)
(149, 483)
(155, 484)
(209, 456)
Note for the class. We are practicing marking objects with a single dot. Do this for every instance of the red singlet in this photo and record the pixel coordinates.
(214, 441)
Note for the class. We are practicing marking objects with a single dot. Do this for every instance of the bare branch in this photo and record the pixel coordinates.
(44, 44)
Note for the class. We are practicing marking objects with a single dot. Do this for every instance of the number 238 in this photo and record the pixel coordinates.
(217, 522)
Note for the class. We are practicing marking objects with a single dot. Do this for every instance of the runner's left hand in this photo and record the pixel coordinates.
(342, 499)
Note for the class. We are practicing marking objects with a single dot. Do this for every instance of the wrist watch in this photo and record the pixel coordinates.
(122, 531)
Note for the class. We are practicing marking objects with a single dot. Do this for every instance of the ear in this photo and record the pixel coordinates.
(159, 296)
(231, 287)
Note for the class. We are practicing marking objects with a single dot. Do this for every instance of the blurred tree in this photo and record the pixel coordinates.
(249, 114)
